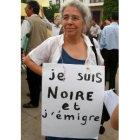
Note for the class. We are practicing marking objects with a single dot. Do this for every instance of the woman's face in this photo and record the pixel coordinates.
(72, 21)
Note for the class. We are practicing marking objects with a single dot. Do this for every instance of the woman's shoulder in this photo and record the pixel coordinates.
(96, 43)
(52, 43)
(54, 40)
(88, 41)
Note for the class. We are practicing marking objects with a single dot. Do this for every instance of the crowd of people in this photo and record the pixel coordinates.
(69, 43)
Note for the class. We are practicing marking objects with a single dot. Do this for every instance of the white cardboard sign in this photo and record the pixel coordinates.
(72, 108)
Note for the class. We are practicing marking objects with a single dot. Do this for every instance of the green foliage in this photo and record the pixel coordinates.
(49, 11)
(109, 7)
(23, 1)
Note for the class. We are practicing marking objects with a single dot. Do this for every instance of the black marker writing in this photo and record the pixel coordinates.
(65, 106)
(60, 76)
(58, 116)
(90, 77)
(44, 116)
(97, 75)
(52, 113)
(64, 94)
(53, 75)
(50, 92)
(76, 107)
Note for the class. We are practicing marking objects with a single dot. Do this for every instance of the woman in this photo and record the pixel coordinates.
(72, 47)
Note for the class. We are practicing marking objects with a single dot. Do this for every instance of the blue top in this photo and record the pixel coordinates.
(68, 60)
(110, 37)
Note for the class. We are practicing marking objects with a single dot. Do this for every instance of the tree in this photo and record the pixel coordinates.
(23, 1)
(49, 11)
(109, 7)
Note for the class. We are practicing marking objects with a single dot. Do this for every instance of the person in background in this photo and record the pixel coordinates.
(72, 47)
(35, 28)
(95, 29)
(95, 42)
(102, 25)
(109, 45)
(106, 22)
(55, 28)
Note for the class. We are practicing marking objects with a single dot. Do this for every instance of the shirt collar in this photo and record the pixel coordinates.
(58, 26)
(114, 23)
(86, 40)
(60, 39)
(33, 15)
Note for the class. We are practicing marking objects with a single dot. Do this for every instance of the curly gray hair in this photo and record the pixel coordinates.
(84, 10)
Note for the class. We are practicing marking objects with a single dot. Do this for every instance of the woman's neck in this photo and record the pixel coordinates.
(72, 40)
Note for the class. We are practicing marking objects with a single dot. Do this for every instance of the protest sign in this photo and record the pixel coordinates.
(72, 100)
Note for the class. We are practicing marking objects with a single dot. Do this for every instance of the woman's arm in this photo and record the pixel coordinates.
(34, 67)
(115, 118)
(42, 12)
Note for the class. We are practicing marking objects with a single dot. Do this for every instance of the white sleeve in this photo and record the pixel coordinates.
(49, 24)
(99, 56)
(25, 28)
(91, 30)
(41, 53)
(99, 31)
